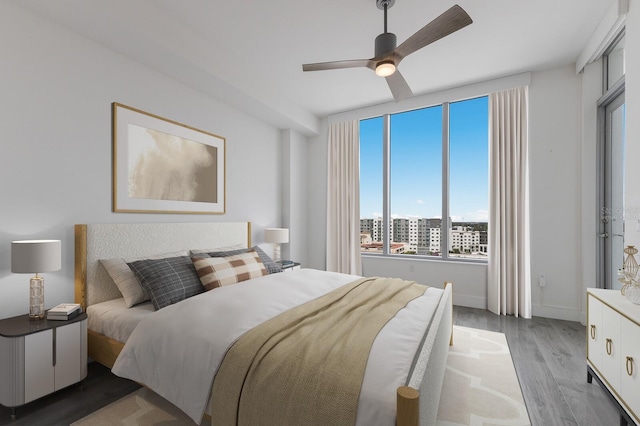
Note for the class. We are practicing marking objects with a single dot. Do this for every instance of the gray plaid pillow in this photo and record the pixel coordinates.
(168, 280)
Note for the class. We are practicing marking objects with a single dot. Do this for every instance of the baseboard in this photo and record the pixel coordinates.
(553, 312)
(469, 301)
(556, 312)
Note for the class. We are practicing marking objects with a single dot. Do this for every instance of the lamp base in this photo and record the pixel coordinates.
(36, 298)
(276, 252)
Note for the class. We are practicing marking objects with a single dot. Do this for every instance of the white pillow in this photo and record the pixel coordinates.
(126, 282)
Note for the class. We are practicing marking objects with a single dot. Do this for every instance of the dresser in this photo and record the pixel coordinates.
(613, 349)
(40, 357)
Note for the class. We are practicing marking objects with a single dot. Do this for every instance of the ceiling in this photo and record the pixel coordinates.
(249, 53)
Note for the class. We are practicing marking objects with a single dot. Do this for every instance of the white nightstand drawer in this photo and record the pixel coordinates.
(40, 357)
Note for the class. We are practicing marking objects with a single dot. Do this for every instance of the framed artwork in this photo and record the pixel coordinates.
(161, 166)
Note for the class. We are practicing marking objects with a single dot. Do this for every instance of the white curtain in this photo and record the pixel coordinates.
(343, 199)
(509, 278)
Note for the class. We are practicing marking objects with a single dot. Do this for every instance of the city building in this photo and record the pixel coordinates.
(422, 236)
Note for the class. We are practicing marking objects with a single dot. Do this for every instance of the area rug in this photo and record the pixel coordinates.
(140, 408)
(481, 387)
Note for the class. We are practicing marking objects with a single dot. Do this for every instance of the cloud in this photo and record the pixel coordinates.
(476, 216)
(481, 215)
(419, 201)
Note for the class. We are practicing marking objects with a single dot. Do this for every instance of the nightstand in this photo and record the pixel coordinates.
(40, 357)
(289, 266)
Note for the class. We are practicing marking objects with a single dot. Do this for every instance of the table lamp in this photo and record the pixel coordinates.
(35, 256)
(276, 236)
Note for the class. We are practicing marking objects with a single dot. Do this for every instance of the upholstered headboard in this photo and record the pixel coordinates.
(124, 240)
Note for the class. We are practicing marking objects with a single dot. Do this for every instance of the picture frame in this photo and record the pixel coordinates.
(162, 166)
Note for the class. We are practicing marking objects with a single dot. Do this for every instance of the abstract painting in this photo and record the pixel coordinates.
(161, 166)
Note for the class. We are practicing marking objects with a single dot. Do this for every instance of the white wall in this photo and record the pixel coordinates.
(563, 177)
(469, 279)
(555, 179)
(294, 196)
(591, 91)
(55, 162)
(555, 185)
(317, 197)
(632, 99)
(55, 138)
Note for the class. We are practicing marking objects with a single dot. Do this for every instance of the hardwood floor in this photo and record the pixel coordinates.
(100, 388)
(549, 357)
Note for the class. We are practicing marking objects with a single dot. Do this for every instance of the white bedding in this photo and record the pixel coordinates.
(176, 350)
(113, 319)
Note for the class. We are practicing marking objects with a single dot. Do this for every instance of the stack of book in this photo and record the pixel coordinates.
(64, 311)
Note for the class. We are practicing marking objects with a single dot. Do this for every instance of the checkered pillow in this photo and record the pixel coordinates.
(215, 272)
(272, 267)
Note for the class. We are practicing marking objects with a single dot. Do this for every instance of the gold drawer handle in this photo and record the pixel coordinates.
(608, 345)
(593, 331)
(629, 366)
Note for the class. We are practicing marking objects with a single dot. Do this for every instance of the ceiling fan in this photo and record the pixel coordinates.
(388, 56)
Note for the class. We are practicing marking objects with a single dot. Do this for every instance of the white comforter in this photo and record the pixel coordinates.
(177, 350)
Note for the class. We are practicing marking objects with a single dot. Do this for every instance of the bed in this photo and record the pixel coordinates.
(418, 395)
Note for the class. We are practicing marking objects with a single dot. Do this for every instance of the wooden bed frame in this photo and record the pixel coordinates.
(417, 402)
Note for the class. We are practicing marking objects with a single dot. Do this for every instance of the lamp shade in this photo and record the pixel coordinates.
(34, 256)
(276, 235)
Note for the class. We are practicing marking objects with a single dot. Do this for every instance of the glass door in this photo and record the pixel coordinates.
(613, 207)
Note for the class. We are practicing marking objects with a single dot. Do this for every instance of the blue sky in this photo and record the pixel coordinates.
(416, 158)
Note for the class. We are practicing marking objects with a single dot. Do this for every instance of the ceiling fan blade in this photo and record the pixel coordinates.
(399, 87)
(355, 63)
(449, 22)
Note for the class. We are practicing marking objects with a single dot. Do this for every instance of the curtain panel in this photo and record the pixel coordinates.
(509, 277)
(343, 198)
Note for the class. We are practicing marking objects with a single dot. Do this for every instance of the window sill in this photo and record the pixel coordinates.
(422, 258)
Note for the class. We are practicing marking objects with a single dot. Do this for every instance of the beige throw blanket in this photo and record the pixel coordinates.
(305, 367)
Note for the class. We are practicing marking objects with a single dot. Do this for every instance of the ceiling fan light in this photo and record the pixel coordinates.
(385, 69)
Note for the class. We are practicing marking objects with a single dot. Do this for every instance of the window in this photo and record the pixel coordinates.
(371, 132)
(432, 165)
(614, 60)
(612, 151)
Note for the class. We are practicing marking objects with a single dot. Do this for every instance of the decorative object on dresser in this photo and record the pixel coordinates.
(35, 256)
(630, 288)
(613, 348)
(162, 166)
(40, 357)
(276, 236)
(633, 294)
